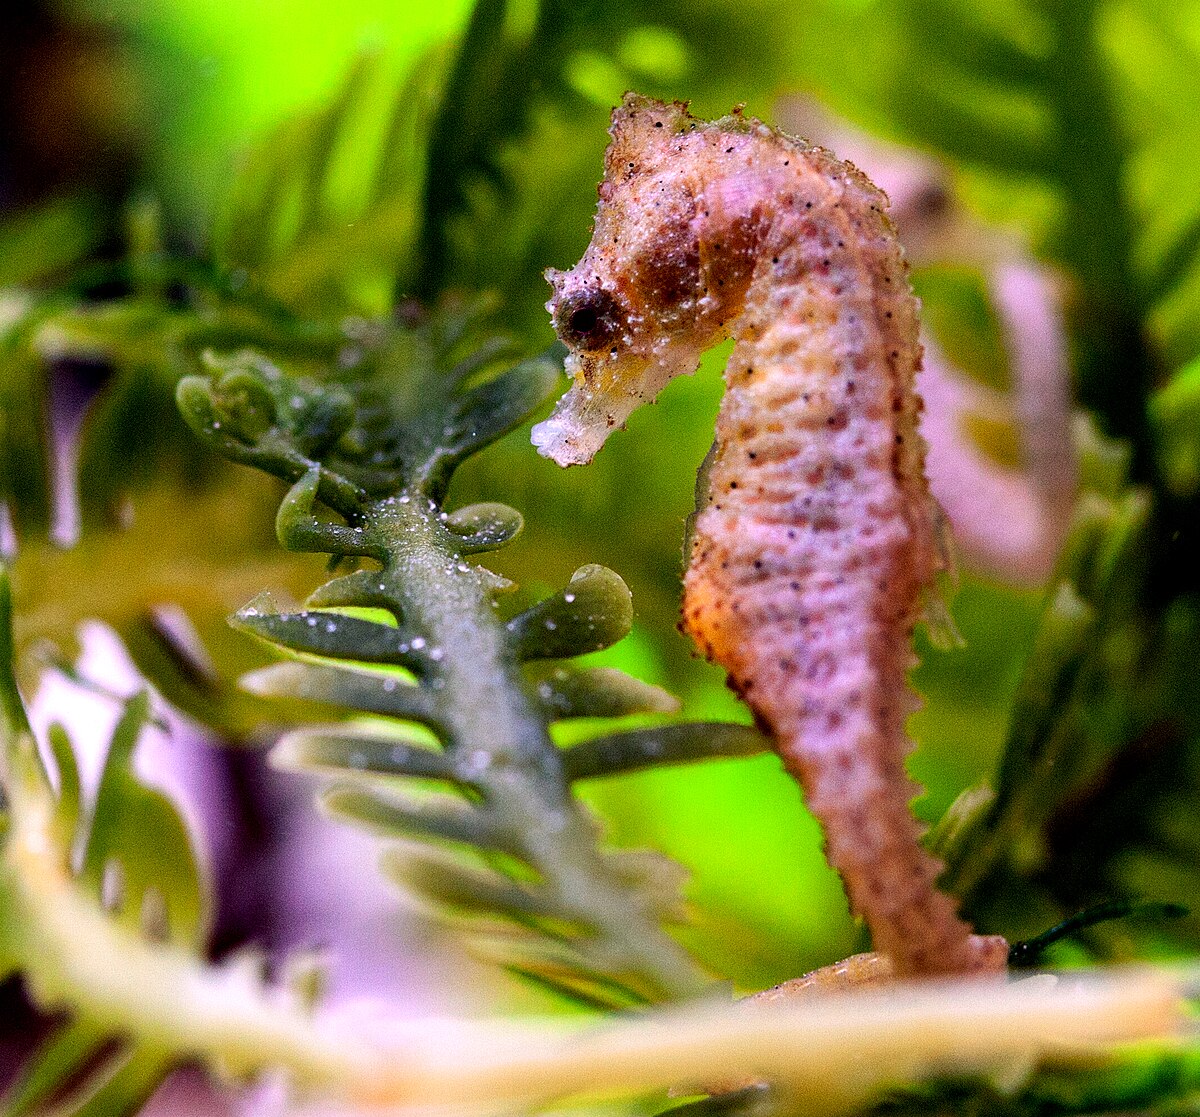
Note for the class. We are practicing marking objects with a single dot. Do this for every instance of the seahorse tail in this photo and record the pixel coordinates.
(861, 798)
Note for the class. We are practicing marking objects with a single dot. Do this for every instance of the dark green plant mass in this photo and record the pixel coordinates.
(359, 324)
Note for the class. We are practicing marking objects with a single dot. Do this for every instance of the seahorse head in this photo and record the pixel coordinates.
(646, 299)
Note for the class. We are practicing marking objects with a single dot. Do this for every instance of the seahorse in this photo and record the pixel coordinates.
(815, 538)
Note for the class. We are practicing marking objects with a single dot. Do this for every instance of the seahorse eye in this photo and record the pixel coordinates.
(589, 320)
(583, 320)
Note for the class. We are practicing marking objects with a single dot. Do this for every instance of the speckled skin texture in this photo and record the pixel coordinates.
(816, 537)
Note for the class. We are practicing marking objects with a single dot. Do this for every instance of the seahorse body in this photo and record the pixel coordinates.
(817, 536)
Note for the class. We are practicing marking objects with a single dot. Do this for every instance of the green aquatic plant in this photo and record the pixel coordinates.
(319, 336)
(378, 451)
(127, 851)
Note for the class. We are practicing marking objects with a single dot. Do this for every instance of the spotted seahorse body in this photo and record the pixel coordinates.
(817, 537)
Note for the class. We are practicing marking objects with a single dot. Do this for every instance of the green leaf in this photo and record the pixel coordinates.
(484, 527)
(460, 134)
(1175, 413)
(598, 692)
(128, 1090)
(362, 588)
(554, 965)
(439, 817)
(138, 831)
(348, 751)
(636, 749)
(69, 791)
(253, 413)
(371, 693)
(300, 529)
(332, 634)
(1175, 265)
(49, 237)
(958, 120)
(283, 198)
(59, 1061)
(25, 452)
(130, 430)
(974, 49)
(752, 1101)
(323, 212)
(13, 708)
(957, 307)
(592, 612)
(1062, 641)
(450, 884)
(480, 416)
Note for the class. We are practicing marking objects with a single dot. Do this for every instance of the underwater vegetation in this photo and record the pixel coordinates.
(273, 432)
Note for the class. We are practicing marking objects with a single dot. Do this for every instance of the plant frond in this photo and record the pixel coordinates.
(369, 459)
(1103, 739)
(136, 859)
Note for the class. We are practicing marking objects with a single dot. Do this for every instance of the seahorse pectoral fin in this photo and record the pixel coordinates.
(935, 609)
(702, 489)
(943, 633)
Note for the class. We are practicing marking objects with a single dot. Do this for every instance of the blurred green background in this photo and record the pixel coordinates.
(1069, 127)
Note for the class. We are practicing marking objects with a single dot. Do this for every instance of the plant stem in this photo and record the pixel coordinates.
(830, 1054)
(499, 744)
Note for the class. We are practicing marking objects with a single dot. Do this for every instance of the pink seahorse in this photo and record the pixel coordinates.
(818, 537)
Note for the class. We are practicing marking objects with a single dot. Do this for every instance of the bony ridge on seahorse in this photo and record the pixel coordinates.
(817, 538)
